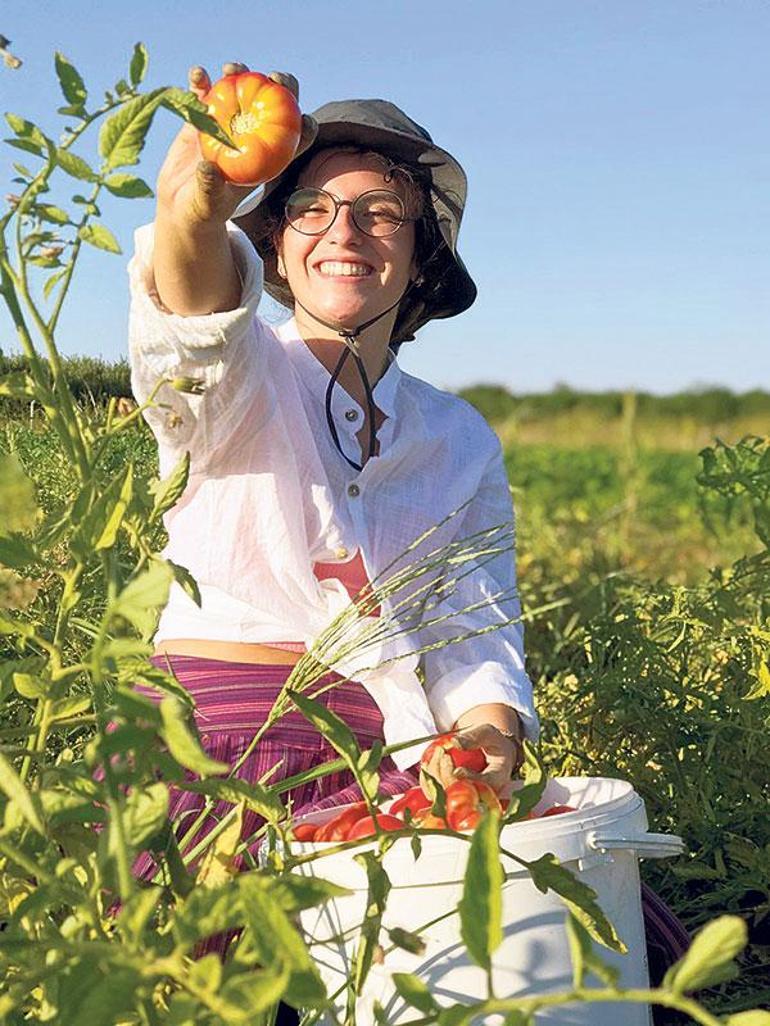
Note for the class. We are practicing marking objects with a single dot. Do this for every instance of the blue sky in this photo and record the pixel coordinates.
(618, 154)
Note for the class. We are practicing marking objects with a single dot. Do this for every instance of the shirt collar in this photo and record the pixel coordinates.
(384, 391)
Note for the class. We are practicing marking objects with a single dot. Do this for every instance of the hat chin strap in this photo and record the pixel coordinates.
(350, 337)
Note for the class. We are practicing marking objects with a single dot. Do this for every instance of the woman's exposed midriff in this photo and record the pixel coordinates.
(228, 651)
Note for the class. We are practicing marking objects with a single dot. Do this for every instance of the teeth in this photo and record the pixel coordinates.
(334, 267)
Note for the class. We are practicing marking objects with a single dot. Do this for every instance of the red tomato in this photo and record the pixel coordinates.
(466, 803)
(557, 810)
(364, 827)
(429, 821)
(444, 741)
(473, 759)
(414, 799)
(336, 829)
(304, 831)
(263, 120)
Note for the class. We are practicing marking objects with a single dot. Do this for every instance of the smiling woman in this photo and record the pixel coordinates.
(315, 461)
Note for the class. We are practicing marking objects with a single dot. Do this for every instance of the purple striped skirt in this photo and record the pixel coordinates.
(233, 701)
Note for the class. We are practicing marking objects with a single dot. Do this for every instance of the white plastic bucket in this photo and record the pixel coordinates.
(600, 843)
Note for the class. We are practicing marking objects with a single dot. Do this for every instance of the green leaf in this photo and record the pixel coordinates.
(143, 596)
(100, 236)
(16, 552)
(186, 582)
(415, 992)
(128, 186)
(146, 813)
(138, 67)
(407, 940)
(376, 898)
(52, 214)
(189, 107)
(122, 137)
(27, 803)
(254, 796)
(336, 731)
(252, 991)
(276, 941)
(89, 992)
(526, 798)
(17, 385)
(66, 708)
(295, 891)
(99, 527)
(18, 509)
(137, 912)
(481, 924)
(52, 281)
(31, 686)
(75, 166)
(207, 911)
(168, 492)
(580, 899)
(72, 85)
(584, 958)
(709, 959)
(29, 134)
(182, 742)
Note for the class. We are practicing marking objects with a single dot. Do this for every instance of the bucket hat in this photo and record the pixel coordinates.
(445, 287)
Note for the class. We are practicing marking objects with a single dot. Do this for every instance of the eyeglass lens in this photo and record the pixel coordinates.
(377, 212)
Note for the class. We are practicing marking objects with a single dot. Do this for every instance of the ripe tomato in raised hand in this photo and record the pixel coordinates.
(365, 827)
(414, 799)
(263, 120)
(336, 829)
(466, 803)
(557, 810)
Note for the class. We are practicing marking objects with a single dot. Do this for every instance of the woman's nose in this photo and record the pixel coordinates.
(344, 227)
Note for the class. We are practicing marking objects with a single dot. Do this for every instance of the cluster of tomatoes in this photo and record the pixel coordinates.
(466, 801)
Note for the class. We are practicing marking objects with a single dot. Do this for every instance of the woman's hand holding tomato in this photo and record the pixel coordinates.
(459, 755)
(193, 192)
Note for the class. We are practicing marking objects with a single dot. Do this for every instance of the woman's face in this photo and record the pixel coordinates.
(323, 271)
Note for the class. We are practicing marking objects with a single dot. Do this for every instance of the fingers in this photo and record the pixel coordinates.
(234, 68)
(210, 181)
(198, 80)
(287, 81)
(308, 134)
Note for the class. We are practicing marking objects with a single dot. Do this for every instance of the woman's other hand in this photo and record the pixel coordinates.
(504, 756)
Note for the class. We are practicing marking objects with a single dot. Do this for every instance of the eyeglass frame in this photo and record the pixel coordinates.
(338, 203)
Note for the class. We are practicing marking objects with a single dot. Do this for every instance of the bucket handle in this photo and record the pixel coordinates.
(648, 846)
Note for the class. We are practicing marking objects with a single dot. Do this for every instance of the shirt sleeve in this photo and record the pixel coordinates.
(487, 667)
(219, 351)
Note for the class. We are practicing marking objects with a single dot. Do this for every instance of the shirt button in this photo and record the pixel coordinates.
(351, 414)
(353, 490)
(341, 553)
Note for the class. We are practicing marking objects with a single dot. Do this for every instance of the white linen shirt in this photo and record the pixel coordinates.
(269, 495)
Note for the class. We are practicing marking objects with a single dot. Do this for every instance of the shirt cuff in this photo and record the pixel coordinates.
(461, 690)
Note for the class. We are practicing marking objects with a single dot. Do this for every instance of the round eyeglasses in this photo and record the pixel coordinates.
(378, 212)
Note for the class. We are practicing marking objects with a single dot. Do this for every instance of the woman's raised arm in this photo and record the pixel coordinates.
(193, 265)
